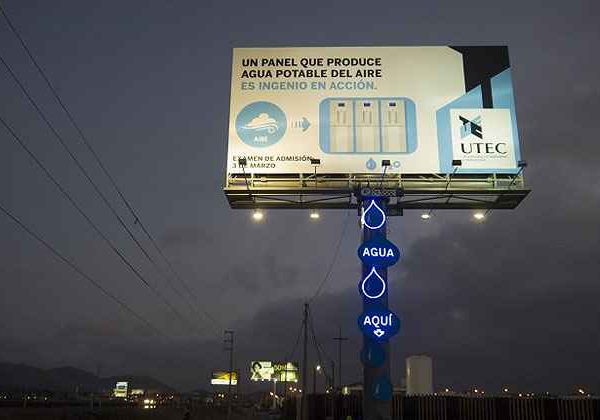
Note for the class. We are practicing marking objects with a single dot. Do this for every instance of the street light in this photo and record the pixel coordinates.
(317, 370)
(314, 215)
(426, 216)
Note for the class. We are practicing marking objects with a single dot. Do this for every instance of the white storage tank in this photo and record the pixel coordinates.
(419, 375)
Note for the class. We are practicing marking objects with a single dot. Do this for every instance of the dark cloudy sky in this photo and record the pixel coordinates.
(513, 301)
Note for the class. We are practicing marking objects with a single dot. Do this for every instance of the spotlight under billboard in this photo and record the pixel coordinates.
(222, 378)
(274, 371)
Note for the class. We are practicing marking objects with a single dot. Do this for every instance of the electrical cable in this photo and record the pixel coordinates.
(79, 271)
(292, 352)
(87, 218)
(333, 260)
(104, 169)
(320, 352)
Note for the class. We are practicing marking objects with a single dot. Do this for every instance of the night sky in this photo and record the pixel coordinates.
(509, 302)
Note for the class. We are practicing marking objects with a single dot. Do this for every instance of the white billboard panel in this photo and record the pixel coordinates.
(352, 107)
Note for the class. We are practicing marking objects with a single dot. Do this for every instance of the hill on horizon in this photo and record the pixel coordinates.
(21, 377)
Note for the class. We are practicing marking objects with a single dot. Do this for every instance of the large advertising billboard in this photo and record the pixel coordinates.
(120, 390)
(273, 371)
(222, 378)
(421, 108)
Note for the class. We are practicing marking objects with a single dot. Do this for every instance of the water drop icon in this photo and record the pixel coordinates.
(373, 216)
(373, 286)
(371, 164)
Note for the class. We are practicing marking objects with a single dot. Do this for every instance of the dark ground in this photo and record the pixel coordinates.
(80, 413)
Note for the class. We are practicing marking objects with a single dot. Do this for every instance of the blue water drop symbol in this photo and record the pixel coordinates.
(373, 286)
(373, 217)
(371, 164)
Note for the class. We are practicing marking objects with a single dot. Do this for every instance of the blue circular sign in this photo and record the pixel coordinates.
(372, 354)
(261, 124)
(383, 389)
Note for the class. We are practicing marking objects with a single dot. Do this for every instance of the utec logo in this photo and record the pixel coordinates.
(471, 132)
(471, 127)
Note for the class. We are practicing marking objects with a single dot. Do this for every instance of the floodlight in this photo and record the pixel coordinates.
(426, 216)
(456, 162)
(258, 215)
(314, 215)
(242, 161)
(386, 162)
(315, 161)
(479, 215)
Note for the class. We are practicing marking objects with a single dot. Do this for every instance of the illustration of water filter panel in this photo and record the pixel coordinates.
(367, 125)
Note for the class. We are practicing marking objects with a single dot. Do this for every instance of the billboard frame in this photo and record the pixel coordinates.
(453, 191)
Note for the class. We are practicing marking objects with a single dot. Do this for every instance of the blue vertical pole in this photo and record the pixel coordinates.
(377, 393)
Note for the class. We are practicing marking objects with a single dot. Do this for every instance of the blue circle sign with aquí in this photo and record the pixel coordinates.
(261, 124)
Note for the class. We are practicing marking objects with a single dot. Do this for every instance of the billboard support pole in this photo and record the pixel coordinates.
(376, 406)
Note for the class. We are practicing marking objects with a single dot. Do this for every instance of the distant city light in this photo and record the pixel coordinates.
(505, 389)
(258, 215)
(314, 215)
(581, 391)
(426, 216)
(318, 368)
(479, 216)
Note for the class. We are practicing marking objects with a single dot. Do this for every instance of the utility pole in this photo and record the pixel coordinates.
(339, 339)
(228, 341)
(304, 364)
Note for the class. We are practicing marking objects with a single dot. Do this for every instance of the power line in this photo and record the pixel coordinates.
(320, 353)
(292, 352)
(85, 173)
(87, 218)
(79, 270)
(103, 167)
(333, 260)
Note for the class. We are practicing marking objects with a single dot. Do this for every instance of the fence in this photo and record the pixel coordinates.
(430, 407)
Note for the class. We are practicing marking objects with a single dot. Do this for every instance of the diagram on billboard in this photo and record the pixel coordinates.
(421, 108)
(367, 125)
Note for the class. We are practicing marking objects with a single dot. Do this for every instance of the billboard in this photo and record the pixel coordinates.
(120, 390)
(222, 378)
(421, 108)
(274, 371)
